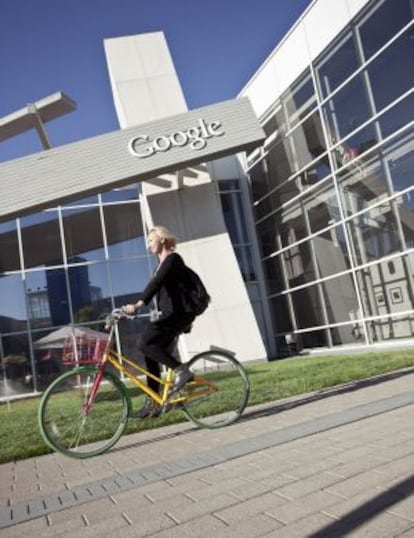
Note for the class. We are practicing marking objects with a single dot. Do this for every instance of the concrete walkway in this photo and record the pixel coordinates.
(329, 464)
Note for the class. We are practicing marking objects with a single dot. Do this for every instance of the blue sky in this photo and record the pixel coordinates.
(57, 45)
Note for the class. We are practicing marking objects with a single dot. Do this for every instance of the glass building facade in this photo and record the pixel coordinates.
(332, 189)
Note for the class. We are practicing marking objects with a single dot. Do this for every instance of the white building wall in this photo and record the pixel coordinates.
(185, 202)
(319, 25)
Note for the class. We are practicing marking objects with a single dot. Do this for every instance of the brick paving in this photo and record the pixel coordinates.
(329, 464)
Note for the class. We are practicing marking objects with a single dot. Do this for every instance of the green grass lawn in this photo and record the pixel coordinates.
(270, 381)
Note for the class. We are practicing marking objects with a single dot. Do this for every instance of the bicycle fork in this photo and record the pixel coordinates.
(91, 396)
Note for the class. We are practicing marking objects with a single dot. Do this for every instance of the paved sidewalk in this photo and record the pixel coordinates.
(330, 464)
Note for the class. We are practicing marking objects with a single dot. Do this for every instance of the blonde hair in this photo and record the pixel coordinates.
(163, 233)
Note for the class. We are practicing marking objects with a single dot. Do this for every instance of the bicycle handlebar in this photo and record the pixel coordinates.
(116, 315)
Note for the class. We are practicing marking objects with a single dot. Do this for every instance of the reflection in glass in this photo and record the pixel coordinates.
(56, 283)
(123, 194)
(374, 233)
(275, 123)
(387, 289)
(90, 292)
(274, 274)
(341, 303)
(259, 181)
(322, 207)
(383, 23)
(279, 309)
(13, 313)
(41, 239)
(129, 278)
(279, 164)
(308, 311)
(331, 251)
(347, 110)
(266, 232)
(293, 227)
(298, 264)
(398, 116)
(339, 65)
(37, 296)
(124, 232)
(401, 164)
(405, 209)
(308, 140)
(16, 374)
(396, 64)
(300, 100)
(83, 235)
(9, 247)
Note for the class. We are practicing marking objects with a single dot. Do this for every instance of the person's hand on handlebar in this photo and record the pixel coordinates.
(132, 308)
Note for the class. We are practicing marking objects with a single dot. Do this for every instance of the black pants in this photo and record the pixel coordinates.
(157, 343)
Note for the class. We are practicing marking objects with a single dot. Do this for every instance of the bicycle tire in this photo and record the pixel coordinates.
(220, 391)
(64, 425)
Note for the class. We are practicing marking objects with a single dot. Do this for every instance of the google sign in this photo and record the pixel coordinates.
(196, 137)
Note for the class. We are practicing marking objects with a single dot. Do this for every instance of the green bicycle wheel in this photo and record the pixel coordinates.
(220, 390)
(68, 429)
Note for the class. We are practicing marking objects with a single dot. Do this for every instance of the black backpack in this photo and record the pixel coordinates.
(194, 294)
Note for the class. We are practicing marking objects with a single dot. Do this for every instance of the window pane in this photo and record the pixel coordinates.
(37, 295)
(13, 313)
(122, 194)
(308, 311)
(41, 239)
(266, 231)
(293, 226)
(274, 274)
(308, 139)
(9, 247)
(383, 24)
(374, 233)
(322, 207)
(401, 163)
(300, 100)
(124, 233)
(275, 123)
(348, 109)
(396, 64)
(341, 302)
(338, 66)
(331, 251)
(279, 164)
(398, 116)
(298, 264)
(83, 235)
(385, 290)
(405, 207)
(279, 310)
(128, 278)
(90, 292)
(17, 376)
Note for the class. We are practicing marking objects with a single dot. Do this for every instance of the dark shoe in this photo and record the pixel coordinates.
(182, 376)
(150, 409)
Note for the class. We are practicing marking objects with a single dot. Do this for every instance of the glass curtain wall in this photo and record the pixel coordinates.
(332, 189)
(66, 266)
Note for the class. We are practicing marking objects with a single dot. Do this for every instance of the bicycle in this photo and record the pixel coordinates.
(84, 412)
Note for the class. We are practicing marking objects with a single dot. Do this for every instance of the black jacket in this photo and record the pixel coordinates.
(165, 286)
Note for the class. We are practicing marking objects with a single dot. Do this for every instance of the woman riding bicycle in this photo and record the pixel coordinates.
(158, 337)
